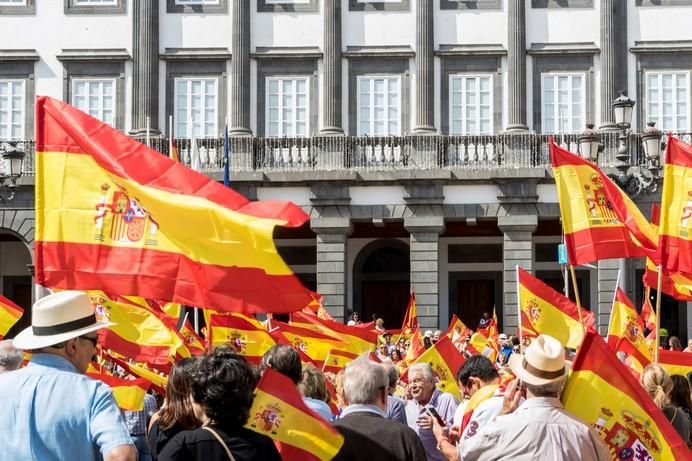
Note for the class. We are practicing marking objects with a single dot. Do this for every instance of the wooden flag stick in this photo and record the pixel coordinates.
(657, 313)
(576, 297)
(521, 336)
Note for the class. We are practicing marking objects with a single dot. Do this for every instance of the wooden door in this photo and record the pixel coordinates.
(387, 299)
(473, 298)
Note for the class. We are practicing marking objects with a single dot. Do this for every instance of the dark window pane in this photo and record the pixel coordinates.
(482, 253)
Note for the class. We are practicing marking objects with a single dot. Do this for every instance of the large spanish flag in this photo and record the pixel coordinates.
(114, 215)
(675, 229)
(312, 343)
(603, 393)
(597, 217)
(10, 313)
(544, 310)
(128, 394)
(359, 340)
(278, 411)
(247, 337)
(626, 330)
(445, 361)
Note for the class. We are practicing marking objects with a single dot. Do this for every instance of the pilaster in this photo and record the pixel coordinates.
(516, 65)
(240, 70)
(425, 67)
(425, 267)
(607, 282)
(332, 237)
(517, 251)
(145, 53)
(331, 100)
(610, 29)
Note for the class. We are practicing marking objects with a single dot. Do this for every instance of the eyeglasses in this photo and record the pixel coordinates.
(93, 340)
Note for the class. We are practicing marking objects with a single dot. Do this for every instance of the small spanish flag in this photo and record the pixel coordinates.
(246, 336)
(278, 411)
(626, 330)
(603, 393)
(158, 382)
(445, 361)
(359, 339)
(337, 360)
(312, 343)
(10, 313)
(128, 394)
(675, 362)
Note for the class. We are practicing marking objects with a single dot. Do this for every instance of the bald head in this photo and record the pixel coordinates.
(10, 356)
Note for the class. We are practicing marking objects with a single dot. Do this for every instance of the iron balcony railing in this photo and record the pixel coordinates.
(377, 153)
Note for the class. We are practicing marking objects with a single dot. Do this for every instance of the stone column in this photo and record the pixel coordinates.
(517, 251)
(425, 267)
(331, 101)
(516, 66)
(610, 29)
(240, 70)
(607, 280)
(145, 54)
(425, 67)
(332, 236)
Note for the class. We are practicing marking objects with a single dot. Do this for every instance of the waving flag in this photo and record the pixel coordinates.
(457, 330)
(278, 412)
(597, 217)
(128, 394)
(359, 340)
(675, 229)
(648, 314)
(337, 360)
(157, 382)
(677, 285)
(114, 215)
(675, 362)
(544, 310)
(626, 330)
(445, 361)
(246, 336)
(482, 345)
(312, 343)
(410, 322)
(601, 392)
(490, 331)
(10, 313)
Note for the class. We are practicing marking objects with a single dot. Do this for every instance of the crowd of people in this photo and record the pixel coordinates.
(510, 410)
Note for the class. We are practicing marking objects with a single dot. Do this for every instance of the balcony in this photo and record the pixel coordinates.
(380, 154)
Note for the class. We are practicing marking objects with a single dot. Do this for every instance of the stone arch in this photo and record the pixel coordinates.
(382, 280)
(21, 224)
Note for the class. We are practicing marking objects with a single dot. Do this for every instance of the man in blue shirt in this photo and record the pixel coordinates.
(50, 410)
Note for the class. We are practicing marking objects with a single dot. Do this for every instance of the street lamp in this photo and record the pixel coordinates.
(13, 159)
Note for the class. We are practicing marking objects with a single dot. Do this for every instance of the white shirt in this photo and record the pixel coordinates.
(483, 414)
(539, 429)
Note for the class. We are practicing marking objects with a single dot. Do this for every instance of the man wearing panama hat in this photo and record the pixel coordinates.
(50, 410)
(540, 428)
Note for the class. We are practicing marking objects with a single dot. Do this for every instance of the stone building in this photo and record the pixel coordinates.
(413, 132)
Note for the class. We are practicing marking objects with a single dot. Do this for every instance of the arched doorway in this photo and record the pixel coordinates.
(15, 278)
(381, 275)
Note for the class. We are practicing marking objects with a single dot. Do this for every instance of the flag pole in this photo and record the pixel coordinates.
(148, 125)
(657, 313)
(576, 297)
(521, 336)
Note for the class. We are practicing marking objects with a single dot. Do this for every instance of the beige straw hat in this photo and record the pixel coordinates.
(543, 361)
(57, 318)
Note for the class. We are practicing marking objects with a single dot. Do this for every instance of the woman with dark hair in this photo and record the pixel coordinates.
(176, 414)
(680, 395)
(674, 343)
(222, 392)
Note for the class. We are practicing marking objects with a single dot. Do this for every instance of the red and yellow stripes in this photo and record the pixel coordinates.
(278, 411)
(445, 361)
(675, 362)
(543, 310)
(597, 217)
(675, 229)
(602, 392)
(128, 394)
(246, 336)
(10, 314)
(312, 343)
(114, 214)
(359, 340)
(626, 330)
(675, 284)
(337, 360)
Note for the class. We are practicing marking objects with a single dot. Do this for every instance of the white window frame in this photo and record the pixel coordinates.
(89, 81)
(13, 2)
(96, 2)
(463, 78)
(280, 79)
(11, 108)
(290, 2)
(387, 78)
(571, 129)
(659, 119)
(196, 2)
(188, 109)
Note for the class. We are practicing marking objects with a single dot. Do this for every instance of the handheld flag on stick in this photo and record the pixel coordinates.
(157, 230)
(410, 318)
(128, 394)
(246, 336)
(626, 330)
(10, 313)
(675, 362)
(278, 411)
(445, 361)
(601, 392)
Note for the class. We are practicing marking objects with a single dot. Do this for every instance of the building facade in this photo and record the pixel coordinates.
(413, 132)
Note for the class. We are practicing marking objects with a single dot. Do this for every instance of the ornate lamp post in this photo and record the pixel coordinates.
(14, 158)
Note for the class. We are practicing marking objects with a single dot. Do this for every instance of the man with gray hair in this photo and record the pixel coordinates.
(10, 357)
(538, 429)
(367, 433)
(396, 408)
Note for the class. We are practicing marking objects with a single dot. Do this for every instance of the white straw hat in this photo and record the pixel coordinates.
(57, 318)
(543, 361)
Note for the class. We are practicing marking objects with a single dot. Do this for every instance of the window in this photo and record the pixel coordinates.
(667, 97)
(95, 97)
(196, 2)
(563, 103)
(286, 1)
(13, 2)
(12, 109)
(196, 101)
(470, 107)
(287, 106)
(286, 6)
(95, 2)
(95, 6)
(379, 106)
